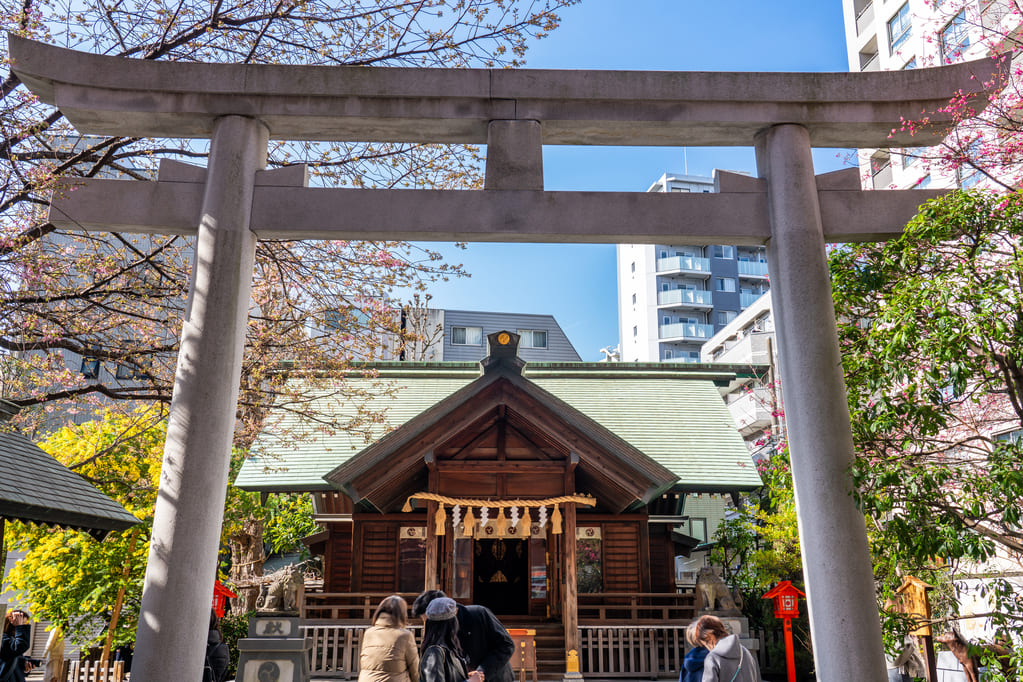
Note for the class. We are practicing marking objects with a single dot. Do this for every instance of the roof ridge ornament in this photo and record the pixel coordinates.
(504, 353)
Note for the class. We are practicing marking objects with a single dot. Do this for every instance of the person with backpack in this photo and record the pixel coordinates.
(218, 656)
(442, 658)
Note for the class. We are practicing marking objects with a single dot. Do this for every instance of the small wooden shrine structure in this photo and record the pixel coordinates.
(549, 497)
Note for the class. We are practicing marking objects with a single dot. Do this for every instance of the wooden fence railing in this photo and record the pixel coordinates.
(628, 651)
(335, 648)
(653, 651)
(79, 671)
(346, 605)
(631, 607)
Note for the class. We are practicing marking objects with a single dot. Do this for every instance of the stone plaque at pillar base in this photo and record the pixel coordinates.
(274, 651)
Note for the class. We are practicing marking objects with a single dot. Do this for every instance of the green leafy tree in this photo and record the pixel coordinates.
(70, 578)
(931, 326)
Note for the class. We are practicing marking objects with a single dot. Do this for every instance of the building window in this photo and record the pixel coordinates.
(532, 338)
(634, 266)
(634, 299)
(724, 284)
(664, 254)
(635, 331)
(667, 354)
(1010, 436)
(910, 65)
(125, 371)
(900, 28)
(924, 182)
(722, 251)
(725, 316)
(665, 320)
(90, 368)
(467, 336)
(955, 38)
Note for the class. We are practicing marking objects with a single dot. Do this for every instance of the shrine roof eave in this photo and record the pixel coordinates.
(699, 444)
(118, 96)
(35, 487)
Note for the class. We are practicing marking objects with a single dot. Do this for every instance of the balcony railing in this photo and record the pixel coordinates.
(683, 297)
(684, 264)
(685, 331)
(752, 269)
(864, 18)
(746, 300)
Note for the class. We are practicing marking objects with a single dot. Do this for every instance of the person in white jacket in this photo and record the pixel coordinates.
(728, 660)
(53, 655)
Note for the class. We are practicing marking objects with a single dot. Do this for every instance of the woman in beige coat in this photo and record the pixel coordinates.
(389, 652)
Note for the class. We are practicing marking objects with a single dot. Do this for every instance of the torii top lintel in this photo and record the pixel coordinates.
(118, 96)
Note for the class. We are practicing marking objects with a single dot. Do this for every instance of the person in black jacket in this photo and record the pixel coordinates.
(16, 640)
(485, 643)
(218, 657)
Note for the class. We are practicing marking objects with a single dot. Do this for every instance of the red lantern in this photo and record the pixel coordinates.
(786, 606)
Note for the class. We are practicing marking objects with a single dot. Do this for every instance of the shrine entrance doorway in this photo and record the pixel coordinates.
(501, 575)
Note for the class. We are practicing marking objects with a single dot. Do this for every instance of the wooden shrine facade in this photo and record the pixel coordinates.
(504, 495)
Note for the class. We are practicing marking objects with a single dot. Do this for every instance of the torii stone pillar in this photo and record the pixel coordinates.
(513, 112)
(832, 533)
(193, 476)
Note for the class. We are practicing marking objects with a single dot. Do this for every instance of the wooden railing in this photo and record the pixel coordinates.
(634, 608)
(92, 671)
(651, 651)
(346, 605)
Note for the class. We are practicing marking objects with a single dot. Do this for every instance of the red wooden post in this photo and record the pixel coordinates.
(786, 606)
(790, 655)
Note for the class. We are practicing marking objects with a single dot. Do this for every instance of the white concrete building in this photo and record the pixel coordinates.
(671, 298)
(907, 34)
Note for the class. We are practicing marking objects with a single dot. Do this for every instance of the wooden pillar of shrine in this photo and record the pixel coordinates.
(570, 603)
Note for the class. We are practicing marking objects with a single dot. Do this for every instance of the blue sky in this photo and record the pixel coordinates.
(576, 282)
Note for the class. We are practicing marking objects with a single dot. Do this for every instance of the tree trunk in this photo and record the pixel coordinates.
(247, 564)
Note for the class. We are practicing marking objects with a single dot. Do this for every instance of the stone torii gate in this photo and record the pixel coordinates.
(233, 202)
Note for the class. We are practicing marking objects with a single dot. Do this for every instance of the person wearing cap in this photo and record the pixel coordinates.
(486, 644)
(442, 659)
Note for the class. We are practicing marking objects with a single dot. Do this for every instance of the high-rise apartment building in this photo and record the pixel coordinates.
(907, 34)
(672, 298)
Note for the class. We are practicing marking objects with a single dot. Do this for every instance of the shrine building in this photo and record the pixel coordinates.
(479, 473)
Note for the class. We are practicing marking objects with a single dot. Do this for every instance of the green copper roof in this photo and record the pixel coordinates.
(674, 415)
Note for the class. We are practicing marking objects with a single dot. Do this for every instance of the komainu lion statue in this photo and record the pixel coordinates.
(282, 593)
(712, 595)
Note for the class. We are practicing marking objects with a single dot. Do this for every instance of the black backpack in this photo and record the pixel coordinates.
(207, 668)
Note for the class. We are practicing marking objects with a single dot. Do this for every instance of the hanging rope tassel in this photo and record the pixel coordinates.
(556, 521)
(501, 524)
(528, 527)
(407, 507)
(440, 519)
(468, 524)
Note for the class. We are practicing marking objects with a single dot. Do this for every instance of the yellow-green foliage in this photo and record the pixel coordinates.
(68, 577)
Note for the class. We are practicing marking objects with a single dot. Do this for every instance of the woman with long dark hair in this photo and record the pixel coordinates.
(442, 659)
(16, 640)
(389, 650)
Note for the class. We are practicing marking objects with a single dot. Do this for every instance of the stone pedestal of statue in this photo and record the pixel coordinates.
(274, 651)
